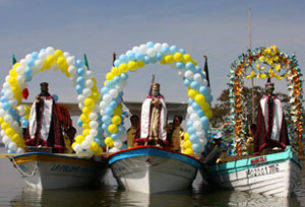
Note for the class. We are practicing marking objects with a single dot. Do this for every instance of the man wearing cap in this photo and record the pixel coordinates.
(216, 150)
(153, 116)
(44, 124)
(271, 130)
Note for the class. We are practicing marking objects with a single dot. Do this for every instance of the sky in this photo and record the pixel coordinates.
(217, 28)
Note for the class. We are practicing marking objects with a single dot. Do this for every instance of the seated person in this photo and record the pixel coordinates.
(216, 151)
(132, 131)
(175, 134)
(69, 139)
(250, 140)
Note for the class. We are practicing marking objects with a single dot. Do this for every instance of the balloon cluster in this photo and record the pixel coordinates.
(14, 115)
(266, 63)
(199, 110)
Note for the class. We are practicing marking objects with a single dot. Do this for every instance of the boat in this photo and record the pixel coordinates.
(273, 171)
(271, 174)
(45, 170)
(151, 169)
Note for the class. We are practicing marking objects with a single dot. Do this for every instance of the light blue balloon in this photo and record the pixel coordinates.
(34, 55)
(55, 97)
(6, 106)
(196, 148)
(79, 123)
(193, 138)
(191, 101)
(204, 121)
(197, 68)
(180, 65)
(28, 71)
(104, 90)
(116, 79)
(187, 82)
(106, 119)
(2, 92)
(79, 89)
(115, 137)
(79, 63)
(195, 85)
(113, 104)
(131, 56)
(124, 76)
(80, 80)
(204, 90)
(182, 51)
(159, 56)
(146, 59)
(189, 66)
(165, 50)
(150, 44)
(191, 130)
(104, 126)
(109, 84)
(117, 63)
(139, 56)
(189, 123)
(173, 49)
(31, 62)
(80, 71)
(195, 106)
(10, 151)
(109, 111)
(24, 123)
(123, 58)
(3, 99)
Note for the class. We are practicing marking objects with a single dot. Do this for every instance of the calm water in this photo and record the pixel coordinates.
(14, 193)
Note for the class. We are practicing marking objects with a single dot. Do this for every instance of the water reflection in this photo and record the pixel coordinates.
(114, 197)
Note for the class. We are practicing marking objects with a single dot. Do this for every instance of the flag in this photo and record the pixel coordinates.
(86, 61)
(14, 59)
(206, 70)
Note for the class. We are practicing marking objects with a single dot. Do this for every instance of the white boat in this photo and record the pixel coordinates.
(272, 174)
(150, 169)
(44, 170)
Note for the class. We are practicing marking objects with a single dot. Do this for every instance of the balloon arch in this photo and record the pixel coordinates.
(103, 113)
(263, 63)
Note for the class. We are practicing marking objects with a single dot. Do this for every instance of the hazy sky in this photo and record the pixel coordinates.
(218, 28)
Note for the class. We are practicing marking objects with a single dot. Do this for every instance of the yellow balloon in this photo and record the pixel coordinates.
(186, 136)
(115, 71)
(9, 131)
(187, 144)
(86, 132)
(4, 125)
(84, 118)
(1, 120)
(16, 137)
(189, 151)
(58, 53)
(199, 98)
(117, 111)
(140, 64)
(205, 106)
(13, 73)
(132, 65)
(12, 81)
(89, 102)
(108, 140)
(169, 58)
(93, 146)
(123, 67)
(162, 61)
(79, 139)
(178, 56)
(209, 114)
(116, 120)
(112, 128)
(50, 60)
(187, 58)
(109, 76)
(192, 93)
(61, 61)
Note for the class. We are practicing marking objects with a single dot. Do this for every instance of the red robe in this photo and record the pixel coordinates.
(271, 130)
(44, 128)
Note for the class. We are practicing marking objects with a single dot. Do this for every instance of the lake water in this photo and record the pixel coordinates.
(14, 193)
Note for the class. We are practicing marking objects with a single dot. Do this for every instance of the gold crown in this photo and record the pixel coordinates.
(156, 85)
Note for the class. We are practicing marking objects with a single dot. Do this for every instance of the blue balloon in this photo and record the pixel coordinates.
(187, 82)
(113, 104)
(34, 55)
(80, 71)
(28, 77)
(28, 71)
(106, 119)
(42, 50)
(79, 89)
(146, 59)
(104, 126)
(182, 51)
(10, 151)
(139, 56)
(204, 90)
(117, 63)
(159, 56)
(116, 79)
(195, 106)
(79, 63)
(193, 138)
(150, 44)
(189, 66)
(173, 49)
(197, 68)
(124, 76)
(195, 85)
(200, 112)
(189, 123)
(123, 58)
(104, 90)
(2, 92)
(3, 99)
(196, 148)
(131, 56)
(109, 111)
(204, 121)
(191, 101)
(191, 130)
(153, 60)
(24, 123)
(115, 137)
(180, 65)
(6, 106)
(165, 50)
(55, 97)
(109, 84)
(31, 62)
(79, 123)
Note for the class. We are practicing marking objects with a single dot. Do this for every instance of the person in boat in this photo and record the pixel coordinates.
(250, 139)
(44, 124)
(216, 151)
(175, 133)
(68, 137)
(153, 117)
(132, 131)
(271, 130)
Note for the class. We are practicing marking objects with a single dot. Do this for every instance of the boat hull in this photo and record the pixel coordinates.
(274, 174)
(153, 170)
(45, 171)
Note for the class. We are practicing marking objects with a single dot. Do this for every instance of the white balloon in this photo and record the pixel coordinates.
(66, 54)
(72, 70)
(165, 44)
(8, 94)
(89, 83)
(107, 98)
(6, 139)
(8, 119)
(12, 146)
(188, 74)
(70, 60)
(194, 117)
(38, 64)
(7, 78)
(93, 124)
(93, 132)
(143, 48)
(77, 148)
(87, 92)
(2, 112)
(23, 63)
(50, 50)
(197, 125)
(42, 55)
(81, 98)
(113, 93)
(114, 149)
(85, 144)
(89, 138)
(80, 105)
(20, 69)
(158, 46)
(88, 74)
(13, 102)
(117, 144)
(136, 49)
(20, 150)
(2, 133)
(151, 52)
(6, 85)
(20, 79)
(93, 116)
(28, 56)
(200, 134)
(197, 78)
